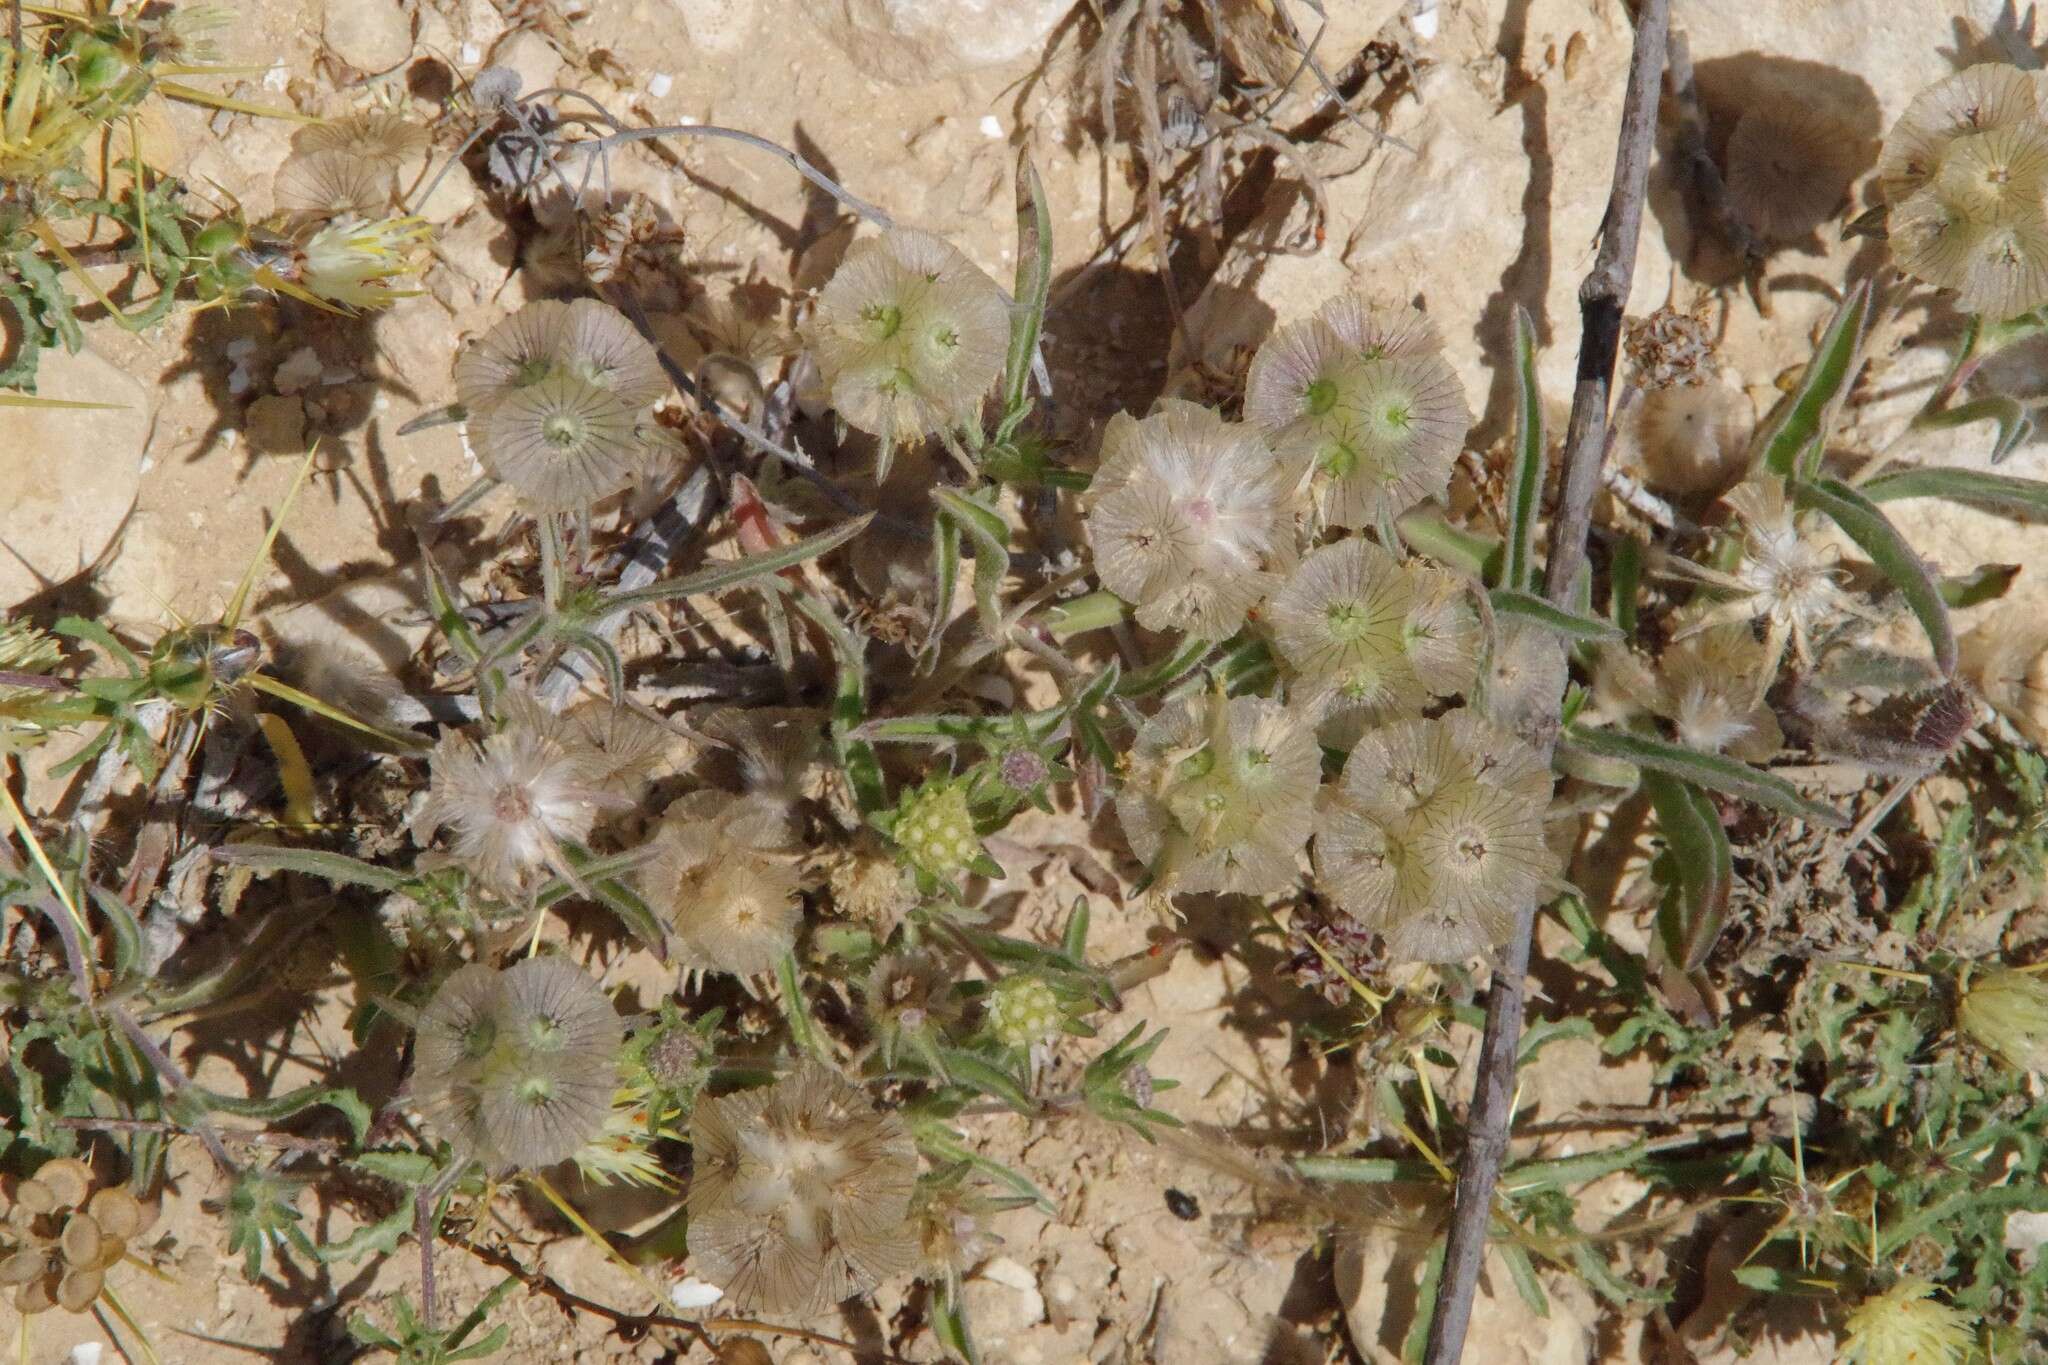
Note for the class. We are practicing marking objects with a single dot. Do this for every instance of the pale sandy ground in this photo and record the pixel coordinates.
(1498, 204)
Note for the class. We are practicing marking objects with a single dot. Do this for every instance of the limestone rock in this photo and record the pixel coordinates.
(370, 35)
(719, 26)
(71, 474)
(908, 42)
(532, 56)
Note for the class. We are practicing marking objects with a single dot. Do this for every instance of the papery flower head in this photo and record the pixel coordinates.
(326, 185)
(1693, 439)
(379, 137)
(356, 263)
(1976, 100)
(512, 799)
(1789, 167)
(800, 1193)
(1707, 688)
(1402, 421)
(27, 651)
(2006, 656)
(586, 339)
(1190, 518)
(626, 747)
(1434, 835)
(723, 876)
(2005, 1012)
(911, 1002)
(1339, 624)
(1906, 1325)
(562, 443)
(909, 334)
(517, 1068)
(1219, 794)
(1964, 170)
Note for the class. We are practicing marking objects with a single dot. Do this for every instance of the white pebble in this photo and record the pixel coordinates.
(275, 77)
(694, 1293)
(1424, 20)
(470, 54)
(689, 121)
(85, 1353)
(991, 126)
(660, 83)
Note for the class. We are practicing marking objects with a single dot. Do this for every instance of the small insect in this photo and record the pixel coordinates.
(1182, 1205)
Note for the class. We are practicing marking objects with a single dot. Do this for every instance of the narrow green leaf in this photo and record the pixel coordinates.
(945, 580)
(619, 898)
(127, 932)
(1568, 1172)
(1690, 921)
(1875, 535)
(1625, 582)
(849, 706)
(79, 628)
(991, 537)
(1525, 478)
(1985, 583)
(1523, 1273)
(337, 868)
(1470, 552)
(380, 1238)
(1364, 1170)
(1801, 424)
(1570, 624)
(1716, 772)
(2008, 412)
(795, 1010)
(447, 609)
(1034, 282)
(989, 1079)
(1971, 487)
(721, 576)
(291, 1102)
(1175, 666)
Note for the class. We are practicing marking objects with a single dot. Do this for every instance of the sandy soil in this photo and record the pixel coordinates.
(1511, 118)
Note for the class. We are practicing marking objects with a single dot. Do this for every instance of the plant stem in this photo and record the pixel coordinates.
(1603, 298)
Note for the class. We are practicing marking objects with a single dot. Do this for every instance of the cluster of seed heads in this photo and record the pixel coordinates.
(1964, 172)
(65, 1237)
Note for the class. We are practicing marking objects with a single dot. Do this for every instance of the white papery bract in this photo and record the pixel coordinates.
(1190, 518)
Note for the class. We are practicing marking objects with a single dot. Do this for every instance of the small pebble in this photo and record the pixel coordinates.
(660, 83)
(991, 126)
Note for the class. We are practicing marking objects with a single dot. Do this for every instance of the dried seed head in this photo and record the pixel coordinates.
(721, 878)
(1341, 624)
(1671, 348)
(1996, 176)
(1907, 1325)
(1975, 100)
(381, 137)
(909, 334)
(800, 1193)
(777, 747)
(1789, 168)
(2006, 656)
(1190, 518)
(512, 800)
(867, 884)
(1399, 423)
(562, 442)
(322, 186)
(2005, 1012)
(910, 1002)
(1694, 440)
(1219, 794)
(67, 1236)
(517, 1068)
(586, 339)
(626, 748)
(1380, 333)
(1433, 838)
(1525, 676)
(1710, 687)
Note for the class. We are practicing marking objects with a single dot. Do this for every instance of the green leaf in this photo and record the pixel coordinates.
(795, 1010)
(1971, 487)
(1568, 1172)
(1875, 535)
(1525, 478)
(284, 1106)
(945, 577)
(336, 868)
(616, 896)
(1175, 666)
(1524, 1275)
(722, 576)
(127, 932)
(989, 1079)
(1985, 583)
(1797, 433)
(1625, 582)
(2008, 412)
(991, 537)
(1690, 922)
(380, 1238)
(1469, 552)
(849, 706)
(1034, 282)
(1570, 624)
(1713, 771)
(1364, 1170)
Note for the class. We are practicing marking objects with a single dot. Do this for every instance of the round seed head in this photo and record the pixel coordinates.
(1379, 333)
(935, 829)
(330, 184)
(1996, 176)
(1789, 168)
(601, 346)
(79, 1287)
(67, 1180)
(19, 1267)
(909, 334)
(1694, 439)
(81, 1241)
(1442, 634)
(777, 747)
(119, 1214)
(1190, 517)
(1292, 387)
(519, 351)
(731, 903)
(1933, 240)
(380, 137)
(1220, 793)
(1404, 420)
(562, 442)
(2006, 273)
(1974, 100)
(1527, 675)
(625, 746)
(1341, 624)
(800, 1193)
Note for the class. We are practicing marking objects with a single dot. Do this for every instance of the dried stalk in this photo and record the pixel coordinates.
(1603, 298)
